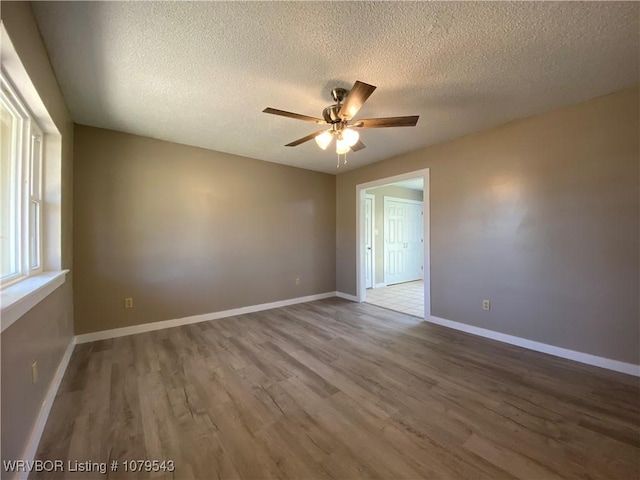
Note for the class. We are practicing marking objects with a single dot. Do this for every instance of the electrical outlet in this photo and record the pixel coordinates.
(486, 305)
(297, 281)
(128, 302)
(34, 372)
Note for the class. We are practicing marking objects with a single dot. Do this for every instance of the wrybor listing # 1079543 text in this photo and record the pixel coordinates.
(72, 466)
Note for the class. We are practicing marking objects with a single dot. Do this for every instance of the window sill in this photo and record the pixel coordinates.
(19, 298)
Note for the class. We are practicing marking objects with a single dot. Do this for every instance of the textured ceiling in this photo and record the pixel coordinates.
(200, 73)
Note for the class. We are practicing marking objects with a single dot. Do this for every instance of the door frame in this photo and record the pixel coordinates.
(373, 240)
(384, 223)
(360, 233)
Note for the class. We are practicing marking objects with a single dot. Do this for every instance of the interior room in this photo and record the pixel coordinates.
(394, 246)
(320, 240)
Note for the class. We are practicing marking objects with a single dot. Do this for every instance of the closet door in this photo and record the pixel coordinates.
(403, 242)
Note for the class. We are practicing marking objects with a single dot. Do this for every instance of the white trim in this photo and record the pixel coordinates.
(360, 192)
(346, 296)
(52, 202)
(36, 432)
(18, 75)
(20, 297)
(380, 285)
(205, 317)
(609, 364)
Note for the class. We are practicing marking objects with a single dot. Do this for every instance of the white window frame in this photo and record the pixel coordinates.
(35, 230)
(26, 291)
(27, 186)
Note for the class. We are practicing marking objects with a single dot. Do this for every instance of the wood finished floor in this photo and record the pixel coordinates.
(335, 390)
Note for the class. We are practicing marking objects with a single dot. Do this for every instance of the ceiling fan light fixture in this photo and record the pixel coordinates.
(342, 146)
(350, 137)
(324, 139)
(337, 117)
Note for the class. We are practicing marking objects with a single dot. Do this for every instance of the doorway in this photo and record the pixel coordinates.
(393, 243)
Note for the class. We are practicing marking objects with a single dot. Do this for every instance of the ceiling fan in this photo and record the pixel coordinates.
(339, 115)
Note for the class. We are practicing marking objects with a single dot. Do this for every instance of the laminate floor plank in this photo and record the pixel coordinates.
(337, 390)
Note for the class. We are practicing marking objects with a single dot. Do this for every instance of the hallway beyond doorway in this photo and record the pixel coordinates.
(404, 297)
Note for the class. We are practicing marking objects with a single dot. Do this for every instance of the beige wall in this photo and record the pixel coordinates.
(540, 216)
(187, 231)
(44, 332)
(379, 193)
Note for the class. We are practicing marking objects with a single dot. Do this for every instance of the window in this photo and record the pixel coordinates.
(31, 186)
(21, 147)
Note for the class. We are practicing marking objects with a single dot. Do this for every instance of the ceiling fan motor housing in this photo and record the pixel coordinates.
(339, 94)
(330, 113)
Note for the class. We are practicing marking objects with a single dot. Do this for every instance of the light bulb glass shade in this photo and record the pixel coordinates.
(350, 136)
(341, 146)
(324, 139)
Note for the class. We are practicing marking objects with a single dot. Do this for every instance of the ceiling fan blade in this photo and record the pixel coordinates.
(282, 113)
(358, 146)
(387, 122)
(355, 99)
(295, 143)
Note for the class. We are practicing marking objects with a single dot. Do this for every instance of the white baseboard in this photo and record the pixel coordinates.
(149, 327)
(609, 364)
(36, 432)
(346, 296)
(380, 285)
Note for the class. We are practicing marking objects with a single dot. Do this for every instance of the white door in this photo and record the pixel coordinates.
(368, 239)
(403, 247)
(414, 249)
(394, 233)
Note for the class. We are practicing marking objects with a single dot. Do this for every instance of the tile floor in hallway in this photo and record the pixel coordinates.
(403, 297)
